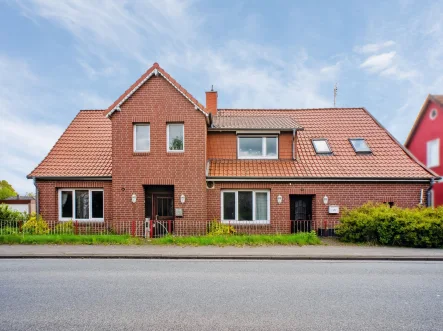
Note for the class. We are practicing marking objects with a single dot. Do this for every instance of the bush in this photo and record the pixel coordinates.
(380, 224)
(217, 229)
(64, 228)
(9, 217)
(35, 225)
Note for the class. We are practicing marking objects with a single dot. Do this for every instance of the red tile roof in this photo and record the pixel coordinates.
(388, 159)
(255, 122)
(143, 77)
(437, 99)
(84, 149)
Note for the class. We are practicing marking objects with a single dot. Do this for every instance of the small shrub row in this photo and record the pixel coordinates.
(381, 224)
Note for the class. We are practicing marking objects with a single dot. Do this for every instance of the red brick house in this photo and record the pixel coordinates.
(158, 153)
(425, 141)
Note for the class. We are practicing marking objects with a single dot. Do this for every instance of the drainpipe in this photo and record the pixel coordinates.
(429, 193)
(37, 207)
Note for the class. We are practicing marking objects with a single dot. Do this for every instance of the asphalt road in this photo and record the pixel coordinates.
(219, 295)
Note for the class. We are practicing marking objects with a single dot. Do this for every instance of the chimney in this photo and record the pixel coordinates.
(211, 101)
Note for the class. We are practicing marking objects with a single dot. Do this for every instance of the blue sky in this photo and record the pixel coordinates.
(57, 57)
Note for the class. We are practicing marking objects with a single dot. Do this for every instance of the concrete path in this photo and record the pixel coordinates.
(213, 252)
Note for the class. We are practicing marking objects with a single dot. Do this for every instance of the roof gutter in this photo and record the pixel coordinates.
(314, 179)
(70, 178)
(255, 129)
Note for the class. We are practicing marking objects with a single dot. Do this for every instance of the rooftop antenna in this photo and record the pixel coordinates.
(335, 93)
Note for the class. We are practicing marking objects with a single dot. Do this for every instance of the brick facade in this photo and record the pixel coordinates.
(48, 196)
(345, 195)
(158, 103)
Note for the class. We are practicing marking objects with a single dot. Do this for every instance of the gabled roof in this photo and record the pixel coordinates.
(389, 159)
(83, 150)
(155, 70)
(438, 99)
(255, 122)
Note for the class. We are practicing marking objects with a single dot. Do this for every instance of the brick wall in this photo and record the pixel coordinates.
(48, 197)
(157, 102)
(223, 145)
(348, 195)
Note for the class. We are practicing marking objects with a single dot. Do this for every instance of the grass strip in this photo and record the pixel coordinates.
(219, 240)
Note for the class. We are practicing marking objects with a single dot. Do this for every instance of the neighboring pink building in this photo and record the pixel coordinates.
(425, 141)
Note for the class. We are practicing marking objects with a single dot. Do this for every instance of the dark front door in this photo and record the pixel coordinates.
(301, 213)
(163, 207)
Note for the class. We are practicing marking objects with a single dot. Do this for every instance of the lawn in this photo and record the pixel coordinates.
(220, 240)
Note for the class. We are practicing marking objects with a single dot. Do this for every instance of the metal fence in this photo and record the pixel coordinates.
(156, 229)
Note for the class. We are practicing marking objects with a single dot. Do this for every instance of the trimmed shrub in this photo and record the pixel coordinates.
(217, 229)
(381, 224)
(35, 225)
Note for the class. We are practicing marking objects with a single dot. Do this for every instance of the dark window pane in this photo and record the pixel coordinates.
(245, 206)
(97, 204)
(82, 204)
(229, 206)
(66, 204)
(148, 205)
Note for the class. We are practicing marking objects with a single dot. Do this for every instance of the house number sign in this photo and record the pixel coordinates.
(334, 209)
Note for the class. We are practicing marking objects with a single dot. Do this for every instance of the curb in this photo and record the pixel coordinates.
(229, 257)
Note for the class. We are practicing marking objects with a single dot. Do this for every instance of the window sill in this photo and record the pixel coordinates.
(95, 220)
(257, 158)
(177, 153)
(141, 153)
(246, 222)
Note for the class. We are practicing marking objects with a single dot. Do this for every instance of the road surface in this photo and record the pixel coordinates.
(70, 294)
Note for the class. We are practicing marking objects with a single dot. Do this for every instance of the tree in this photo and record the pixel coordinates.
(176, 144)
(30, 194)
(6, 190)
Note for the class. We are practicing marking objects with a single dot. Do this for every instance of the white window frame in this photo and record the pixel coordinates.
(428, 153)
(357, 151)
(253, 221)
(263, 147)
(167, 138)
(64, 219)
(135, 138)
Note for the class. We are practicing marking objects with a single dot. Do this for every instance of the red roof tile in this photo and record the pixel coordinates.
(83, 150)
(388, 158)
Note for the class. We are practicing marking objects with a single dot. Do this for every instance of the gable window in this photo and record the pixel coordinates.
(321, 146)
(245, 206)
(257, 147)
(360, 145)
(142, 137)
(175, 137)
(433, 153)
(81, 205)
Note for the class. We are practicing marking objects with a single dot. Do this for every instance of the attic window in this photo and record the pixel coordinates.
(321, 146)
(433, 114)
(360, 145)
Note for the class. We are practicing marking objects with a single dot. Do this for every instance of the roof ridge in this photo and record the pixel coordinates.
(92, 109)
(268, 109)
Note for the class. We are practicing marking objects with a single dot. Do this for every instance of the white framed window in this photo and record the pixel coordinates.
(321, 146)
(175, 137)
(142, 137)
(433, 153)
(83, 205)
(257, 147)
(433, 114)
(245, 206)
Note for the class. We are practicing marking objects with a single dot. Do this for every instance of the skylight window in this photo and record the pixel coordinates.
(321, 146)
(360, 145)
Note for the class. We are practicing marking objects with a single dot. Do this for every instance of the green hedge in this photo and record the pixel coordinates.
(380, 224)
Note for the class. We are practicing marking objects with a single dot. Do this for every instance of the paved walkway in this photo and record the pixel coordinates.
(213, 252)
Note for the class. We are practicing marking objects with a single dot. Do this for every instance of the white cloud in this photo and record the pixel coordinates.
(373, 48)
(376, 63)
